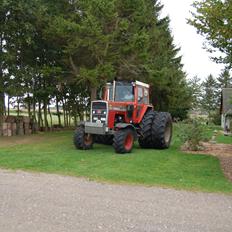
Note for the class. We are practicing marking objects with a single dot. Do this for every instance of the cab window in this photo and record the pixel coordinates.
(143, 95)
(124, 92)
(140, 95)
(146, 96)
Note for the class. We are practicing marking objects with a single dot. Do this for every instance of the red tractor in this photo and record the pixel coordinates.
(123, 116)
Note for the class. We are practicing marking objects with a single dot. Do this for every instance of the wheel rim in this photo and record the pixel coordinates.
(88, 139)
(128, 142)
(168, 133)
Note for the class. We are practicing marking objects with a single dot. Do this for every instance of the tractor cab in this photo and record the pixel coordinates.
(122, 116)
(121, 91)
(127, 102)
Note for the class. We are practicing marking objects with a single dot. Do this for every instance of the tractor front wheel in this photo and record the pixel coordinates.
(82, 140)
(124, 141)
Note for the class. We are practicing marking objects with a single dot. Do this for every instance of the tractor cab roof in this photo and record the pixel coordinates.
(142, 84)
(139, 83)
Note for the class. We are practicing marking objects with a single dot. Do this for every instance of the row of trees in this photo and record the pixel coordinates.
(213, 20)
(207, 94)
(64, 51)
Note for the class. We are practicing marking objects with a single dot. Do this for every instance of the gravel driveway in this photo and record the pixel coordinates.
(40, 202)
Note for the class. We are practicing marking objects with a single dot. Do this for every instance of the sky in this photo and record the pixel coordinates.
(196, 60)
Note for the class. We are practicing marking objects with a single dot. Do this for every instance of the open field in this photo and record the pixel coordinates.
(55, 153)
(55, 120)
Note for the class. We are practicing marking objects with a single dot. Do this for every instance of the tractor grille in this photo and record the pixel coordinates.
(99, 112)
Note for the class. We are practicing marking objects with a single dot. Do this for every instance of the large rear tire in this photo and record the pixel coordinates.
(82, 140)
(145, 140)
(124, 141)
(162, 130)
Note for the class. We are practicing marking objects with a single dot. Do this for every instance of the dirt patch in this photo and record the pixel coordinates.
(223, 152)
(226, 164)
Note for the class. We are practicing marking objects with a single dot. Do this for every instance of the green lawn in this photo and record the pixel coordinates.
(55, 153)
(224, 139)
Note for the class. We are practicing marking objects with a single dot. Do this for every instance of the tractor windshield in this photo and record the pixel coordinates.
(124, 92)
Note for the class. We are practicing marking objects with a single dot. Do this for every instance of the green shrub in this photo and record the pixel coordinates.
(216, 118)
(191, 133)
(179, 113)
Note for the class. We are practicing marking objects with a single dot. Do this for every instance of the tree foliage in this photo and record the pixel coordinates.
(61, 52)
(195, 88)
(192, 133)
(210, 94)
(213, 20)
(224, 79)
(207, 94)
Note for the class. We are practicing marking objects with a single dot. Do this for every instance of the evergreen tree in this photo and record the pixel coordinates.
(123, 40)
(195, 92)
(210, 95)
(225, 79)
(80, 45)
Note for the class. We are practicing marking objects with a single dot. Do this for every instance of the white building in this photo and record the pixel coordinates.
(226, 110)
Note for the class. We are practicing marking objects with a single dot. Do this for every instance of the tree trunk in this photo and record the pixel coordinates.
(34, 119)
(29, 106)
(50, 114)
(70, 117)
(18, 106)
(64, 113)
(40, 119)
(75, 119)
(46, 115)
(34, 108)
(58, 111)
(1, 103)
(1, 108)
(93, 93)
(2, 95)
(39, 115)
(81, 116)
(1, 86)
(8, 106)
(4, 106)
(67, 116)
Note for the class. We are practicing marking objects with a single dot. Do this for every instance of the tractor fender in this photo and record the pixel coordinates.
(125, 126)
(143, 111)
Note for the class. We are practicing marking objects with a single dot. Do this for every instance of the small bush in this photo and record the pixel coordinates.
(216, 118)
(179, 113)
(191, 133)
